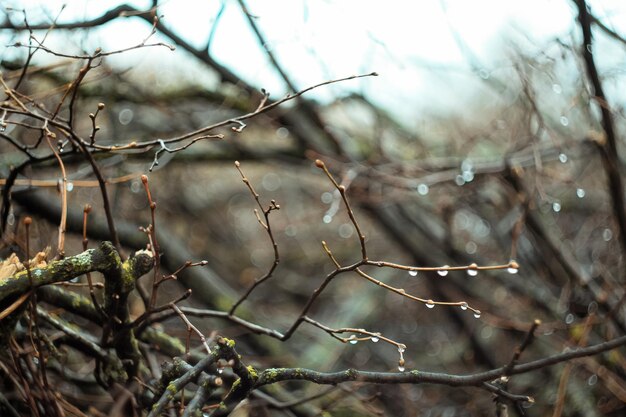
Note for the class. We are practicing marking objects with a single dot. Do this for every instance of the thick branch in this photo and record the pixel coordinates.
(270, 376)
(608, 145)
(101, 259)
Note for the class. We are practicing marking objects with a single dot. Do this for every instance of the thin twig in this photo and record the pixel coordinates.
(268, 228)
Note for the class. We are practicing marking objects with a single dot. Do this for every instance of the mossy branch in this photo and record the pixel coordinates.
(119, 276)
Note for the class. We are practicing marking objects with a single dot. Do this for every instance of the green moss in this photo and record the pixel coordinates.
(270, 375)
(253, 373)
(171, 387)
(229, 342)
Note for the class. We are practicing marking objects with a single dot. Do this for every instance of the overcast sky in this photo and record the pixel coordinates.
(431, 55)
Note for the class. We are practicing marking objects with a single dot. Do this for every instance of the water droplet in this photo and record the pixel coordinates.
(569, 319)
(345, 230)
(327, 198)
(467, 165)
(468, 176)
(125, 116)
(557, 89)
(3, 127)
(484, 74)
(580, 192)
(477, 314)
(413, 273)
(422, 189)
(592, 307)
(69, 186)
(401, 349)
(556, 207)
(464, 306)
(135, 186)
(271, 181)
(459, 180)
(220, 370)
(353, 340)
(513, 267)
(589, 48)
(430, 304)
(472, 271)
(443, 272)
(401, 368)
(11, 218)
(282, 132)
(562, 158)
(607, 235)
(375, 339)
(327, 218)
(291, 230)
(564, 120)
(593, 379)
(471, 247)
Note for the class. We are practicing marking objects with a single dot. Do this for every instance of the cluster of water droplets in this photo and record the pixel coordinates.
(333, 200)
(467, 173)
